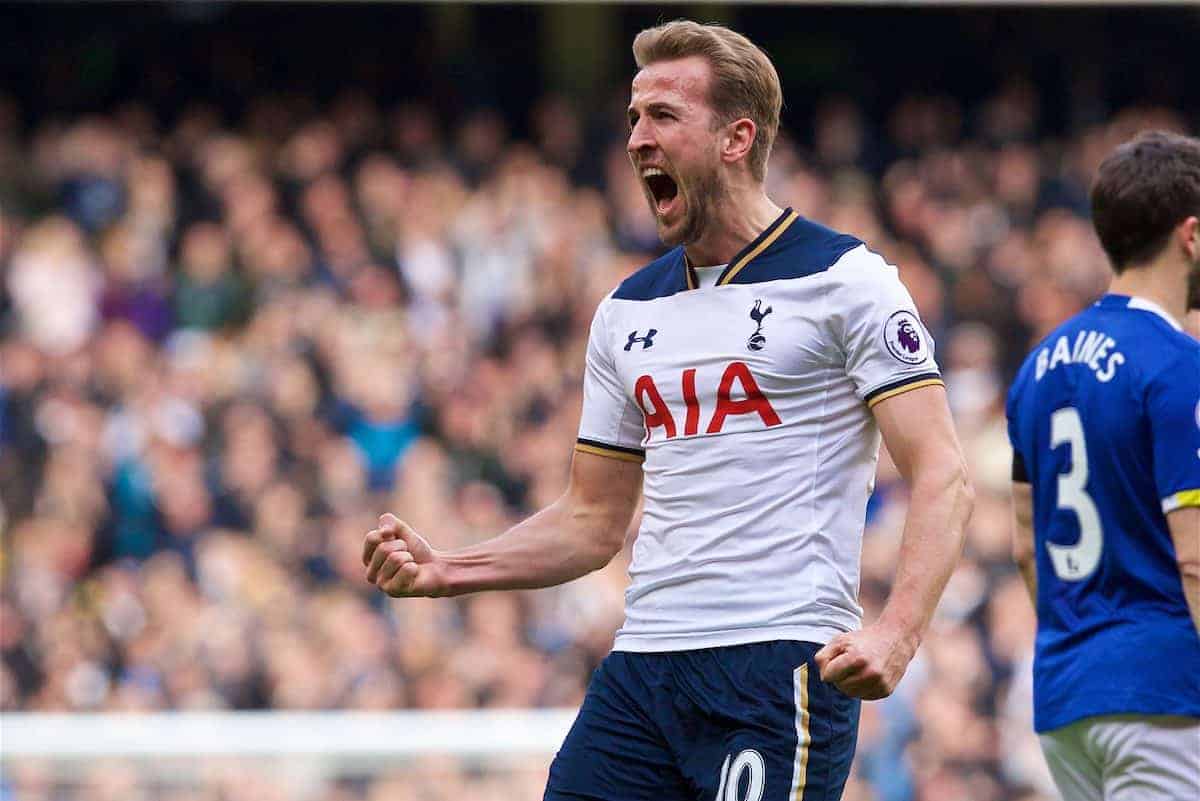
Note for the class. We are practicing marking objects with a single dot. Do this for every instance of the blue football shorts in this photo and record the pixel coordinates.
(739, 723)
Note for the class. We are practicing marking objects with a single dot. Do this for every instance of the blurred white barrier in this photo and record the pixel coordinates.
(334, 741)
(280, 756)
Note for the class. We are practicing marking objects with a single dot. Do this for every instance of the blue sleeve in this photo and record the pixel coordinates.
(1020, 470)
(1173, 404)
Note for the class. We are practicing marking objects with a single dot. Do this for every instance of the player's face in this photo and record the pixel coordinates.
(673, 143)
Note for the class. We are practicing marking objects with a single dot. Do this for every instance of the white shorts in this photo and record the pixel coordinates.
(1126, 758)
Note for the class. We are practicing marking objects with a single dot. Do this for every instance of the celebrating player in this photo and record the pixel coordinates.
(741, 382)
(1104, 418)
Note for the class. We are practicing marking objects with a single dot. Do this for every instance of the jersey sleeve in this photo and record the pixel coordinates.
(611, 424)
(1020, 467)
(1173, 406)
(887, 348)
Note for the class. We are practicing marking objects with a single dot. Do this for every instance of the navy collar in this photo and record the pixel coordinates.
(747, 254)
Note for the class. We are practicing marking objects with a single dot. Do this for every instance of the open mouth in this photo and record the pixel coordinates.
(662, 188)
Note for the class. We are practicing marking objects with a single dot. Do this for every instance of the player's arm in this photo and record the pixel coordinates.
(580, 532)
(868, 663)
(1185, 531)
(1173, 406)
(1023, 545)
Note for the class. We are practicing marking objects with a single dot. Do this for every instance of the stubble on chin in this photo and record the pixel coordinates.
(687, 231)
(668, 237)
(700, 205)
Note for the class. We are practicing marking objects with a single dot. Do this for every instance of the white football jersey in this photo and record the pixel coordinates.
(748, 404)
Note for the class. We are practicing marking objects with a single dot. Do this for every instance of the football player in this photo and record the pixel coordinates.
(1104, 418)
(741, 383)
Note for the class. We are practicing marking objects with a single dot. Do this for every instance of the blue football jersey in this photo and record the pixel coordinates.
(1104, 418)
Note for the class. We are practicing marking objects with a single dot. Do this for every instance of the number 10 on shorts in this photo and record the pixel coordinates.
(731, 776)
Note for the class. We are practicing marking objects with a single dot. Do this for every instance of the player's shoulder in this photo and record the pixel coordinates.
(792, 247)
(1157, 344)
(1178, 363)
(1182, 345)
(1147, 343)
(860, 266)
(663, 277)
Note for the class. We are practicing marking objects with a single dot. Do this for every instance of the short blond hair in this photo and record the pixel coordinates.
(744, 84)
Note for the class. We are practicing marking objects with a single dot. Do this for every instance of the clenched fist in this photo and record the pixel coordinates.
(868, 663)
(400, 562)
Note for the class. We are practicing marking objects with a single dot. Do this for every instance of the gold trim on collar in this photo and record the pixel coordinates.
(736, 267)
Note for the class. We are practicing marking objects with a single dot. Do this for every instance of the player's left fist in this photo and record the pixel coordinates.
(867, 663)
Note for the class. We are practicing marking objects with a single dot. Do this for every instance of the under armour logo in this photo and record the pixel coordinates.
(647, 341)
(757, 341)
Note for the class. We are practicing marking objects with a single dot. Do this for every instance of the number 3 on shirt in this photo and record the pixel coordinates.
(1075, 562)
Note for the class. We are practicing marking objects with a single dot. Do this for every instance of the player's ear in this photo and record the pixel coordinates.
(1189, 235)
(738, 139)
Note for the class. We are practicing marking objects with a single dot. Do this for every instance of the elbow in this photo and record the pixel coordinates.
(597, 535)
(614, 540)
(1022, 552)
(1189, 569)
(966, 495)
(603, 537)
(946, 472)
(959, 484)
(947, 486)
(947, 480)
(607, 545)
(955, 485)
(966, 491)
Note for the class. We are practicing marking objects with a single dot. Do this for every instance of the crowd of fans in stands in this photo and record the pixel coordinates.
(230, 344)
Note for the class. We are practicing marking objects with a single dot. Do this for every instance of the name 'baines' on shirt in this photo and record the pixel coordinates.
(1092, 348)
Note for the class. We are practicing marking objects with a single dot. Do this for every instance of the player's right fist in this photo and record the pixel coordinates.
(400, 562)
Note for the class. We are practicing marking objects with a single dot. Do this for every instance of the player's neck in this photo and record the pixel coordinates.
(1162, 282)
(737, 219)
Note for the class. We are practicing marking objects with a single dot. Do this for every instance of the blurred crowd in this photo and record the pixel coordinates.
(230, 344)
